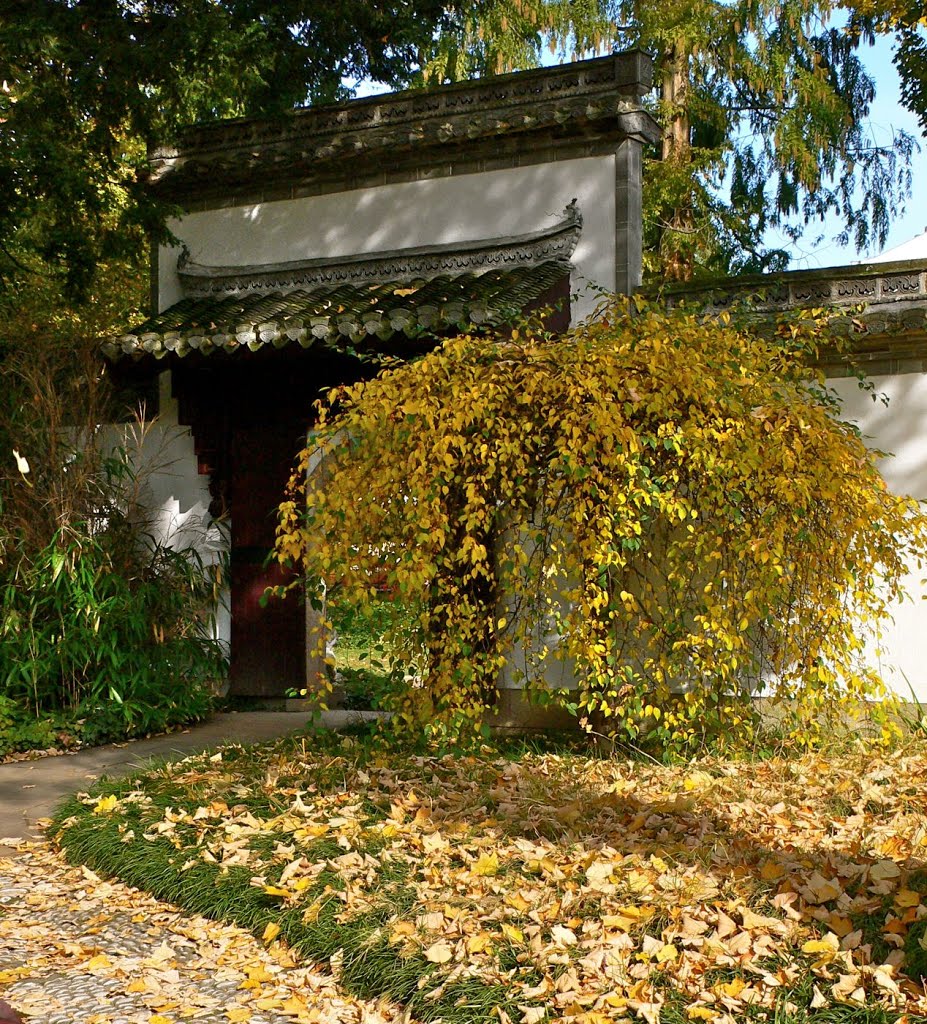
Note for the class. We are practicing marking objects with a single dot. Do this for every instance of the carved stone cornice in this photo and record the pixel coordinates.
(602, 95)
(885, 289)
(882, 309)
(555, 243)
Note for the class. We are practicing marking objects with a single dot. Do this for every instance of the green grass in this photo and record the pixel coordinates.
(674, 1012)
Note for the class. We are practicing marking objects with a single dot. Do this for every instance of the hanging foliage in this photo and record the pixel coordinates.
(666, 502)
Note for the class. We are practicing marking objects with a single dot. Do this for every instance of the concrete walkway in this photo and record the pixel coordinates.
(30, 790)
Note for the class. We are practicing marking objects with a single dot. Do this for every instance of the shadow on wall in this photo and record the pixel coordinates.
(898, 427)
(428, 212)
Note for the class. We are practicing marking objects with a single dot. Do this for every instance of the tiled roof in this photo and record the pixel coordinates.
(598, 97)
(351, 318)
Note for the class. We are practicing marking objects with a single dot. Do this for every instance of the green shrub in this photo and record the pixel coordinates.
(21, 731)
(110, 631)
(103, 633)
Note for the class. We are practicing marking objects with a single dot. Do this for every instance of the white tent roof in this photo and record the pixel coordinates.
(914, 249)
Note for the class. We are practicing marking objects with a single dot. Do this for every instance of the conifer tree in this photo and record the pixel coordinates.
(764, 106)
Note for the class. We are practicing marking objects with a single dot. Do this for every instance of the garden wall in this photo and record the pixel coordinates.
(898, 426)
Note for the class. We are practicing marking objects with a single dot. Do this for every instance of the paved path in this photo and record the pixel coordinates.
(30, 790)
(78, 949)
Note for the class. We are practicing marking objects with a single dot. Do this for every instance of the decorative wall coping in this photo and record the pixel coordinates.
(873, 284)
(885, 304)
(354, 319)
(397, 265)
(599, 97)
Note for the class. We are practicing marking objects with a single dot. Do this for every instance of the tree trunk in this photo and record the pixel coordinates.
(676, 221)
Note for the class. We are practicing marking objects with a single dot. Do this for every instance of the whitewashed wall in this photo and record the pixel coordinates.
(487, 205)
(468, 207)
(171, 490)
(899, 427)
(435, 211)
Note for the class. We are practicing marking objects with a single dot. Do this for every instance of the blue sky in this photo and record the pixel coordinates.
(887, 114)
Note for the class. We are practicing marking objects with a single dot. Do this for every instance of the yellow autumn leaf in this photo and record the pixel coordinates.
(486, 865)
(293, 1006)
(839, 925)
(697, 780)
(828, 946)
(479, 942)
(731, 989)
(311, 831)
(311, 913)
(439, 953)
(98, 962)
(271, 931)
(512, 933)
(275, 890)
(820, 889)
(518, 902)
(402, 930)
(238, 1014)
(907, 898)
(620, 922)
(771, 871)
(699, 1011)
(105, 805)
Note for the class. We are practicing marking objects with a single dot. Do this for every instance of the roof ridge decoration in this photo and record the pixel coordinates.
(531, 249)
(601, 96)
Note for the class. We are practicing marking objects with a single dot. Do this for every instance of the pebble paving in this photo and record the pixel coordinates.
(77, 949)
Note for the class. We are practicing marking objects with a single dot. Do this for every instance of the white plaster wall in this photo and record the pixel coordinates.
(172, 492)
(892, 419)
(899, 427)
(438, 210)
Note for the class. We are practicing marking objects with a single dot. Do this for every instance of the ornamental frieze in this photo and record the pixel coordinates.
(901, 284)
(597, 88)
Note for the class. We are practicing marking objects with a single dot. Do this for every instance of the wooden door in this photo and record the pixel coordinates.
(268, 655)
(250, 415)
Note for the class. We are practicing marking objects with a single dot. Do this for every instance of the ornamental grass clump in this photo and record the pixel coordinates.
(667, 503)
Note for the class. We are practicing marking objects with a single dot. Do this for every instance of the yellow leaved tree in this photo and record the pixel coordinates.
(665, 502)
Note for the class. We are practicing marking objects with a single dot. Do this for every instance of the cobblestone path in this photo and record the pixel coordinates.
(75, 949)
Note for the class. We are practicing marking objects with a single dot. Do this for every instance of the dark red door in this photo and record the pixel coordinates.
(268, 641)
(250, 414)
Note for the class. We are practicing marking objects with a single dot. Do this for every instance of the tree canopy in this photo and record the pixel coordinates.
(764, 106)
(908, 23)
(86, 87)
